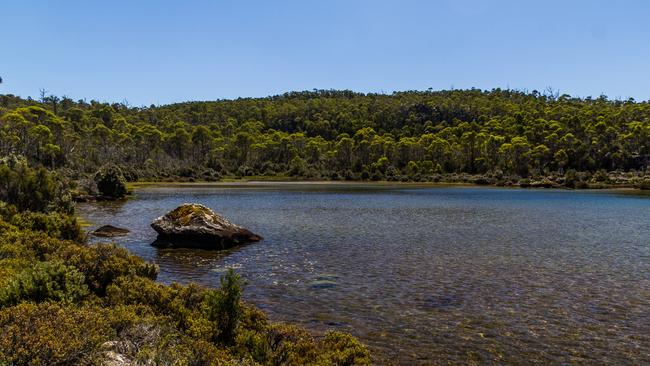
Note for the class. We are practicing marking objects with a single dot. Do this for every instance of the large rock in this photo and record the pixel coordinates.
(196, 226)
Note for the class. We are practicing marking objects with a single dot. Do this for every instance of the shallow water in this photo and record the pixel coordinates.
(428, 275)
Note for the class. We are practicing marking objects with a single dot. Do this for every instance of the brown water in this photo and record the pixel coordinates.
(437, 275)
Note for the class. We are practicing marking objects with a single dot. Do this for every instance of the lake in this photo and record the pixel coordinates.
(427, 274)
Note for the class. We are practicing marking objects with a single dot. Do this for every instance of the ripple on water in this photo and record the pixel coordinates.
(429, 276)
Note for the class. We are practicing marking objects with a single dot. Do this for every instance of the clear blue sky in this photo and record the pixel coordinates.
(168, 51)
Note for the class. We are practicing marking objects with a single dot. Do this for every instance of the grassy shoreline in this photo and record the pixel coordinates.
(282, 180)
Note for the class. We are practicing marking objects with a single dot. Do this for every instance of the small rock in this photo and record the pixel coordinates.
(109, 231)
(322, 284)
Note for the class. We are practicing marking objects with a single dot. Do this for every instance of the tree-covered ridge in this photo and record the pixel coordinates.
(331, 134)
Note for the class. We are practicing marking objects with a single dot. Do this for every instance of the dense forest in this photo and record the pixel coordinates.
(497, 135)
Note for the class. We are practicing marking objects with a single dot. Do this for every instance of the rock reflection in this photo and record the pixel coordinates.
(429, 275)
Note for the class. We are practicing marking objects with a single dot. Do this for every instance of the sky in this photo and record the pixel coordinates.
(158, 52)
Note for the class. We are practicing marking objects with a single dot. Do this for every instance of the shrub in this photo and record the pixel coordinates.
(45, 281)
(297, 167)
(244, 171)
(103, 263)
(181, 304)
(224, 309)
(571, 178)
(343, 350)
(285, 345)
(28, 245)
(600, 176)
(282, 344)
(186, 172)
(32, 189)
(51, 334)
(644, 184)
(55, 224)
(210, 175)
(110, 181)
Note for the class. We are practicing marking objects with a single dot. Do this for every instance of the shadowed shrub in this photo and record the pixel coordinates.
(45, 281)
(110, 181)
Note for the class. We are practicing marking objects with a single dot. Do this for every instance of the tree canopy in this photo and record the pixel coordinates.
(334, 134)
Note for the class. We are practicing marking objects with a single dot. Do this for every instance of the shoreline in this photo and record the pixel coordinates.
(262, 182)
(380, 353)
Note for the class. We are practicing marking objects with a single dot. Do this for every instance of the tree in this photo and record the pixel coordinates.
(462, 131)
(224, 309)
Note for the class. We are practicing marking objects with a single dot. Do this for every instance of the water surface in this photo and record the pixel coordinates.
(428, 275)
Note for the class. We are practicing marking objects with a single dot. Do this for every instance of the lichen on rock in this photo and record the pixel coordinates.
(195, 225)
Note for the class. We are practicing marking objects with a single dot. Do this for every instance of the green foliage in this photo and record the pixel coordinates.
(336, 135)
(51, 334)
(600, 177)
(148, 320)
(32, 189)
(224, 308)
(110, 181)
(103, 263)
(571, 178)
(64, 301)
(55, 224)
(341, 349)
(45, 281)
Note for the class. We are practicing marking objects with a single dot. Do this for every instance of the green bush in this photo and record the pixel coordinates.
(51, 334)
(55, 224)
(342, 349)
(63, 300)
(600, 176)
(32, 189)
(45, 281)
(103, 263)
(110, 181)
(571, 178)
(181, 304)
(224, 309)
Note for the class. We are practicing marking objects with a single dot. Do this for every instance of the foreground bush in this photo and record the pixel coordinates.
(66, 302)
(51, 334)
(45, 281)
(55, 224)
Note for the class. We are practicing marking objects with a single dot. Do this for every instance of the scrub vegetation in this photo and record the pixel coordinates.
(64, 301)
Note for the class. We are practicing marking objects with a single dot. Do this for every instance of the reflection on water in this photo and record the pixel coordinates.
(428, 275)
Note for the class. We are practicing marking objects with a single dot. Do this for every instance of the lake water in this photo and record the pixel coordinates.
(427, 275)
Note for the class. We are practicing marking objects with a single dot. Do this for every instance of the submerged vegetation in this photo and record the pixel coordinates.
(489, 137)
(64, 301)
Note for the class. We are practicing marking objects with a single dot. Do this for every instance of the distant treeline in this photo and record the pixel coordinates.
(330, 134)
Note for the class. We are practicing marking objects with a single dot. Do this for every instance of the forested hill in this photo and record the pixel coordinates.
(414, 135)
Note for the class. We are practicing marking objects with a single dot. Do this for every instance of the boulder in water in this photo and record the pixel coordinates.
(109, 231)
(196, 226)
